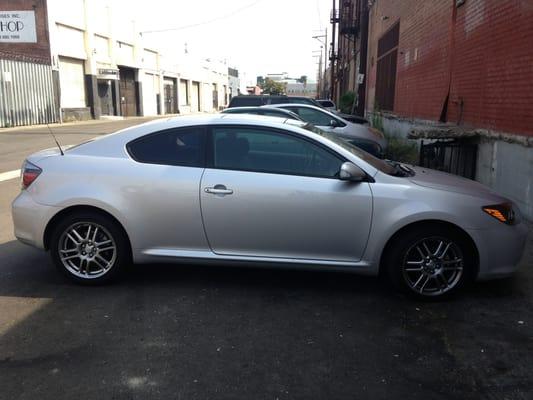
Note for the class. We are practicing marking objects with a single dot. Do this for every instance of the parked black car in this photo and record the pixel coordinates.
(262, 100)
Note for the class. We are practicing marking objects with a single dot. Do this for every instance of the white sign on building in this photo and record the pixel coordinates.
(17, 27)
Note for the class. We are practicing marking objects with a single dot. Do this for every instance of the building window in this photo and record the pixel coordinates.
(386, 68)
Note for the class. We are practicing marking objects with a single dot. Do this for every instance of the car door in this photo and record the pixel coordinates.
(271, 193)
(161, 198)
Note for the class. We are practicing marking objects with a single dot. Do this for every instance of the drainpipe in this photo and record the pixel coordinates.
(451, 58)
(363, 40)
(332, 67)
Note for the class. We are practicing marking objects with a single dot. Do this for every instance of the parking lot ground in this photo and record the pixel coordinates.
(199, 332)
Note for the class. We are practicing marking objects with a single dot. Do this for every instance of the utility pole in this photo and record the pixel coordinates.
(320, 77)
(325, 46)
(332, 50)
(323, 94)
(319, 74)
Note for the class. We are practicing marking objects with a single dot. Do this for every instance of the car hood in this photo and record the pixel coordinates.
(363, 132)
(452, 183)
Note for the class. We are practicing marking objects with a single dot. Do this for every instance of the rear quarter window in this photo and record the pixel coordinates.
(180, 147)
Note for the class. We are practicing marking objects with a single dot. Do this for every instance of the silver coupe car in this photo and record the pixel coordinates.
(258, 190)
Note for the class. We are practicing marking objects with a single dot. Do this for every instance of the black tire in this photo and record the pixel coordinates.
(445, 276)
(106, 242)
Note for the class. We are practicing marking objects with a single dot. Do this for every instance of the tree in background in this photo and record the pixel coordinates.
(302, 79)
(272, 87)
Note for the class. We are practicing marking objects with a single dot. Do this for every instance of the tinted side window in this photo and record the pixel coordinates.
(259, 150)
(185, 147)
(315, 117)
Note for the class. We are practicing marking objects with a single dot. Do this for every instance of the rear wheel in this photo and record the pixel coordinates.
(430, 262)
(89, 248)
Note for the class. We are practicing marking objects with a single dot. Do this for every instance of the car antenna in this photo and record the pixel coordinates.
(55, 139)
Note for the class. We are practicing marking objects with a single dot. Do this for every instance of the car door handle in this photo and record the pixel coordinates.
(218, 189)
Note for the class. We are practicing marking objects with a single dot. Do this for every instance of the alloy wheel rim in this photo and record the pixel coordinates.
(433, 266)
(87, 250)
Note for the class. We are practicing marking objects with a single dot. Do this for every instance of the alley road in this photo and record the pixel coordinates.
(197, 332)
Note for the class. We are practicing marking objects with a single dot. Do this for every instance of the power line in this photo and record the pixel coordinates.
(206, 22)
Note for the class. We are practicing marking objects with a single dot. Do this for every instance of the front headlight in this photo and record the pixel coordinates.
(502, 212)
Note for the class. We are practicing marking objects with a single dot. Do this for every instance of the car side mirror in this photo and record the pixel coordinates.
(351, 172)
(333, 123)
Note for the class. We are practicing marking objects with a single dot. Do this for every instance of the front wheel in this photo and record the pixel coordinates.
(430, 262)
(89, 248)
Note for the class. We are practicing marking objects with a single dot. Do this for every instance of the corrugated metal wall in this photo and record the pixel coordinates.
(26, 94)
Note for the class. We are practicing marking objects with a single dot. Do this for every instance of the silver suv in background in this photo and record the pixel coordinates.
(264, 111)
(375, 142)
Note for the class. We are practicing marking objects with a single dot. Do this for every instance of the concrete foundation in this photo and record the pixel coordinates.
(76, 114)
(504, 161)
(508, 169)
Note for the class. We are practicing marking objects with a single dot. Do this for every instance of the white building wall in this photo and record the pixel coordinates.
(102, 35)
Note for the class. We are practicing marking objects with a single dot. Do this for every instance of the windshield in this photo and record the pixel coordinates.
(377, 163)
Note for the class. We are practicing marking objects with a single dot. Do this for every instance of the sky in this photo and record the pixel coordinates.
(257, 37)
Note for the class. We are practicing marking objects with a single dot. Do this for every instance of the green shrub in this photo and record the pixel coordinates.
(398, 148)
(346, 102)
(402, 150)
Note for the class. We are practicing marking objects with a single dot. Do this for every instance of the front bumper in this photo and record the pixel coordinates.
(500, 249)
(30, 219)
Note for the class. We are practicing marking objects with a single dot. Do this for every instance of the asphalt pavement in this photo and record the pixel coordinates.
(198, 332)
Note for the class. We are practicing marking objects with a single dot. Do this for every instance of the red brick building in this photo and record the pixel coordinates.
(38, 51)
(26, 77)
(465, 62)
(460, 71)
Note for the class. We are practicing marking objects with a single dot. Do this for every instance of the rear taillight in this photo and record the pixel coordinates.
(30, 172)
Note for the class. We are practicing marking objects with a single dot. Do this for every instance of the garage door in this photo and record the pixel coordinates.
(72, 81)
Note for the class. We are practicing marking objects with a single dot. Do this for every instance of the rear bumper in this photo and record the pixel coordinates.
(30, 219)
(500, 250)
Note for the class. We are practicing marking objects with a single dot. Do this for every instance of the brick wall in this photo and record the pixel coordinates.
(479, 52)
(30, 52)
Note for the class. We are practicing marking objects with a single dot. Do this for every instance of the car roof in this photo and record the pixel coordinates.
(114, 145)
